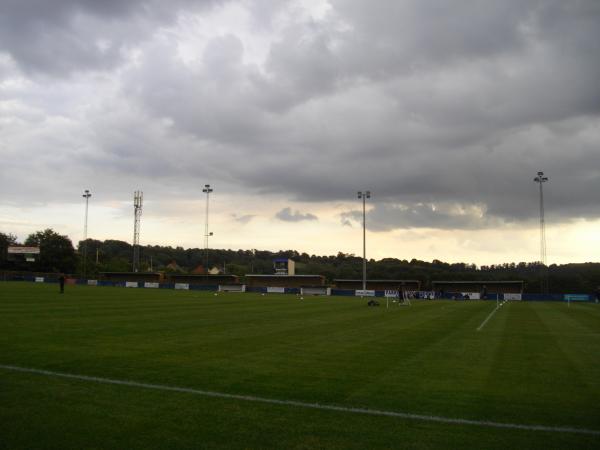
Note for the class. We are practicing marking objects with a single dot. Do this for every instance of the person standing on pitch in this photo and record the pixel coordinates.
(61, 282)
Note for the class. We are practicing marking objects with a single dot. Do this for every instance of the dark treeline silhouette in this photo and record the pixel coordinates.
(116, 256)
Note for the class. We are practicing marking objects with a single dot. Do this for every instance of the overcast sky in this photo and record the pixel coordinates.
(445, 110)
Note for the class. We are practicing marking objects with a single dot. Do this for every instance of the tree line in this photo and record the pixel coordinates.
(57, 254)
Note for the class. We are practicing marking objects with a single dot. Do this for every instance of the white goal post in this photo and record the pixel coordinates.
(405, 299)
(400, 297)
(315, 290)
(232, 288)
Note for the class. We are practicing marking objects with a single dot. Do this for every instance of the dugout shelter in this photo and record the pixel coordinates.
(119, 277)
(203, 280)
(20, 257)
(483, 288)
(379, 285)
(21, 253)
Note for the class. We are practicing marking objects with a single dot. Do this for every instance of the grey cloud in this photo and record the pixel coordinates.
(386, 217)
(65, 36)
(287, 215)
(411, 33)
(456, 105)
(243, 219)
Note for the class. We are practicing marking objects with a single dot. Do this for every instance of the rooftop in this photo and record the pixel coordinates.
(477, 282)
(283, 276)
(379, 281)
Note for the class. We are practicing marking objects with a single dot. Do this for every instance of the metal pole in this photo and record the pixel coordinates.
(541, 179)
(542, 233)
(364, 246)
(206, 234)
(87, 196)
(364, 196)
(207, 189)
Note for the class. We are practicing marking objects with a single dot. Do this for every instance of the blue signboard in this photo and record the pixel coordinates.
(577, 297)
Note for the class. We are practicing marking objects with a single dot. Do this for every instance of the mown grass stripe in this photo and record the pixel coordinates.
(325, 407)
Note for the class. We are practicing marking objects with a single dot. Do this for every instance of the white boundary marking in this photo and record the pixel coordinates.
(490, 316)
(272, 401)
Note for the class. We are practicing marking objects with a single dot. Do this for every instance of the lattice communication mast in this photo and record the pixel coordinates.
(138, 199)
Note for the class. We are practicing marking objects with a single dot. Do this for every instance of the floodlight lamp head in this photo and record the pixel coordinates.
(359, 194)
(368, 194)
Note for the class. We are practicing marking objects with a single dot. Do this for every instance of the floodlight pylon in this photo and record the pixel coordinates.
(541, 179)
(86, 194)
(364, 195)
(207, 190)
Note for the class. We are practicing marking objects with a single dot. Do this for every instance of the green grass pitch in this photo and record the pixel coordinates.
(532, 364)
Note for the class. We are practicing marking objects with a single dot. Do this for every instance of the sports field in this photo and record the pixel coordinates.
(142, 368)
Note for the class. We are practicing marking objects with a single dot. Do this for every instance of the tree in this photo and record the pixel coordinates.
(236, 269)
(56, 251)
(5, 241)
(115, 256)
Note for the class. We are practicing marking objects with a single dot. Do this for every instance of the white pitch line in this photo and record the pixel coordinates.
(272, 401)
(490, 316)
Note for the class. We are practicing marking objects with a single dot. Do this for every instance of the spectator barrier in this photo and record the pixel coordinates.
(53, 278)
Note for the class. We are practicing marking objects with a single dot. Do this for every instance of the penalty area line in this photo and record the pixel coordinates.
(319, 406)
(490, 316)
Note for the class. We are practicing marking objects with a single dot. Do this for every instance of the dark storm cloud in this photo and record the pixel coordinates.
(445, 110)
(62, 36)
(287, 215)
(386, 217)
